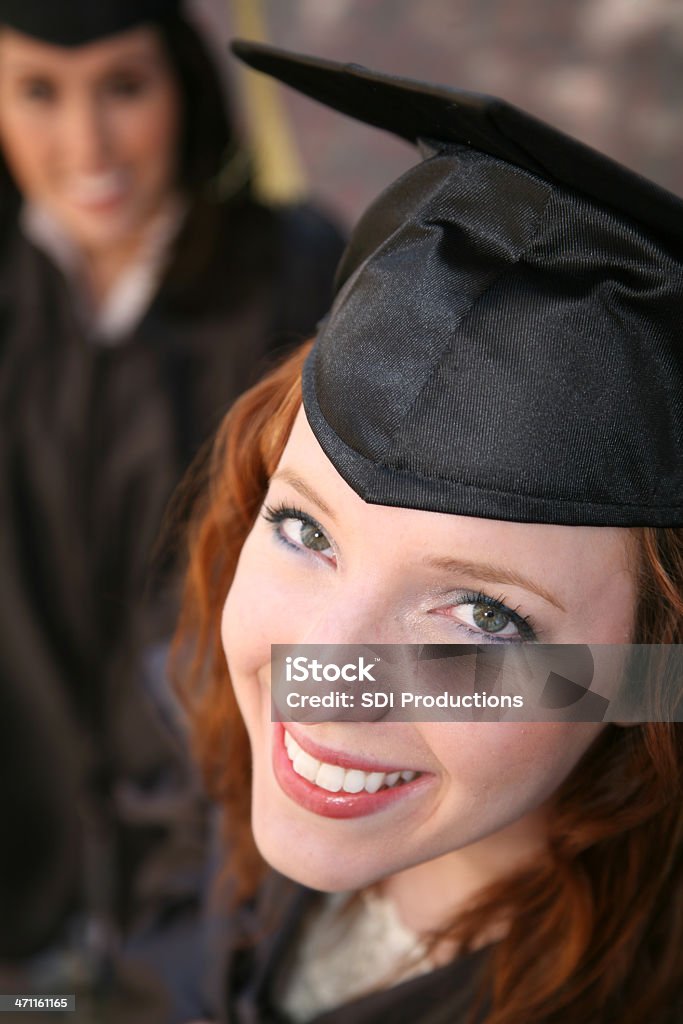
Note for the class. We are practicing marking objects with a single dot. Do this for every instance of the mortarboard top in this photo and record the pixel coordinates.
(77, 22)
(506, 338)
(417, 111)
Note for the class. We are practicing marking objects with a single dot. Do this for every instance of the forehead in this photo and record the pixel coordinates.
(19, 52)
(546, 549)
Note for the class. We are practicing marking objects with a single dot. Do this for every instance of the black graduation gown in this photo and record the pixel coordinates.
(258, 955)
(259, 943)
(93, 441)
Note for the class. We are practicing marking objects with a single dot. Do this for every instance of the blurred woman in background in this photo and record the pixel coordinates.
(141, 287)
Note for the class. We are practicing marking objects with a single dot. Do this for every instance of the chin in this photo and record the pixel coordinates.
(322, 881)
(102, 229)
(329, 875)
(327, 864)
(289, 850)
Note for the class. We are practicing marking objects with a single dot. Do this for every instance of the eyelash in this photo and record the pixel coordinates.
(527, 631)
(38, 90)
(281, 513)
(127, 88)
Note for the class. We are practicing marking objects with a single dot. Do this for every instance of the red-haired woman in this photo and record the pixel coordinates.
(471, 452)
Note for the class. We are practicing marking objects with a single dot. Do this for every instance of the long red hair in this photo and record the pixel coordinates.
(596, 925)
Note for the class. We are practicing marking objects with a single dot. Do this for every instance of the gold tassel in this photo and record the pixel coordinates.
(279, 176)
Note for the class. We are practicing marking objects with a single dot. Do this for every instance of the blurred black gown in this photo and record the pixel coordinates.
(93, 440)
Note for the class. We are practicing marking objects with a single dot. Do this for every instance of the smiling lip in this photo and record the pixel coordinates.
(98, 191)
(363, 763)
(339, 804)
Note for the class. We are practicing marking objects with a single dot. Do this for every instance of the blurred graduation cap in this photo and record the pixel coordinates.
(506, 337)
(77, 22)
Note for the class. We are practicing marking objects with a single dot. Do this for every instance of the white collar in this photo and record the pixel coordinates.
(131, 294)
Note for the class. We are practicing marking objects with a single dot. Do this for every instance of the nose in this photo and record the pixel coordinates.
(86, 135)
(352, 639)
(358, 614)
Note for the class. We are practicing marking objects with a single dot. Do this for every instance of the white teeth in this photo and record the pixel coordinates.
(334, 778)
(354, 781)
(374, 781)
(93, 188)
(305, 765)
(329, 777)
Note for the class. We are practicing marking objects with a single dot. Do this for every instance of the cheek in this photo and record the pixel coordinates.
(254, 614)
(245, 649)
(152, 134)
(271, 601)
(26, 149)
(274, 598)
(242, 635)
(509, 767)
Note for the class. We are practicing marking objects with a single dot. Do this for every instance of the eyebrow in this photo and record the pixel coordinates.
(305, 490)
(495, 574)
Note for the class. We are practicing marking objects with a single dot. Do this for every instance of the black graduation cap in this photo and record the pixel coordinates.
(506, 340)
(76, 22)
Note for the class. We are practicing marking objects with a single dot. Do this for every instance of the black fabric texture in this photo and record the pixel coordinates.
(77, 22)
(417, 111)
(505, 341)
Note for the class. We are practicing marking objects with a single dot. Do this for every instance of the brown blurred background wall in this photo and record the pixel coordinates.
(607, 71)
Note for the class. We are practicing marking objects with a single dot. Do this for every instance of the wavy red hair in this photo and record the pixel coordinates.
(595, 927)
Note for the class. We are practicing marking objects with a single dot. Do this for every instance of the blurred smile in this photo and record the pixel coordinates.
(97, 191)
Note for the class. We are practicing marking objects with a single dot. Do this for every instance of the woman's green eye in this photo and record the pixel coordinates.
(298, 530)
(480, 614)
(313, 538)
(491, 620)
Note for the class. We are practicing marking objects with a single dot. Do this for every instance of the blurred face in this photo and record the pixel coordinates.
(91, 133)
(322, 566)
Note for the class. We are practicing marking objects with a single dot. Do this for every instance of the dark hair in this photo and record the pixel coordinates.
(208, 135)
(214, 169)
